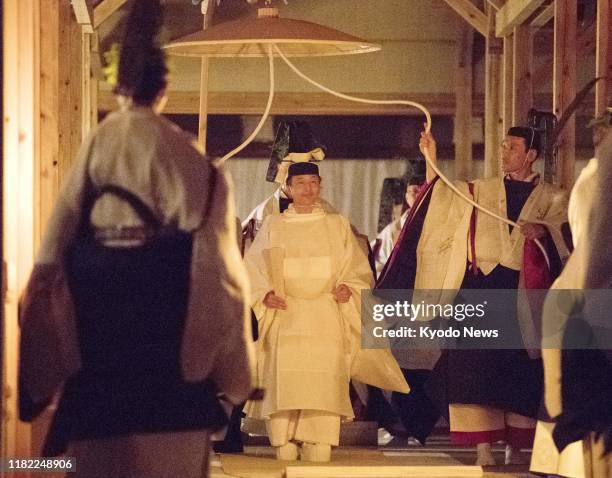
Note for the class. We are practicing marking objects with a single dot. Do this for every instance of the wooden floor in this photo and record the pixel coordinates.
(433, 459)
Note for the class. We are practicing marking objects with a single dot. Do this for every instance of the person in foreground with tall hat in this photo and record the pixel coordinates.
(136, 310)
(446, 244)
(307, 272)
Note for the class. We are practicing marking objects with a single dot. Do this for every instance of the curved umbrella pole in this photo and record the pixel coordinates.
(263, 119)
(447, 181)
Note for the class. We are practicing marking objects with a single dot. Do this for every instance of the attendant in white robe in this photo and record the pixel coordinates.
(307, 272)
(386, 239)
(142, 419)
(277, 203)
(587, 413)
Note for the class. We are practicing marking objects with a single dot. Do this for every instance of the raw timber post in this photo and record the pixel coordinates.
(508, 73)
(463, 95)
(564, 86)
(522, 86)
(492, 115)
(21, 113)
(203, 110)
(603, 57)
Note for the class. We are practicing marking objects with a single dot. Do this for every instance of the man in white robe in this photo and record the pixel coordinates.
(307, 272)
(294, 143)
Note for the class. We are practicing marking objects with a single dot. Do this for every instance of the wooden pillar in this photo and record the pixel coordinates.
(95, 64)
(49, 100)
(463, 98)
(41, 42)
(61, 101)
(603, 57)
(72, 116)
(21, 19)
(493, 82)
(86, 84)
(564, 87)
(508, 73)
(205, 65)
(522, 86)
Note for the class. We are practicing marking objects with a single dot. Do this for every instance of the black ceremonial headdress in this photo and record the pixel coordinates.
(142, 63)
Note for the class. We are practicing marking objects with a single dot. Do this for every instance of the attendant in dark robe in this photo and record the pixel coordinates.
(492, 394)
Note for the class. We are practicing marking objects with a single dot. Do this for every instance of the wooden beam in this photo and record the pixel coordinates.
(471, 14)
(544, 16)
(462, 132)
(388, 471)
(50, 135)
(564, 87)
(83, 14)
(86, 80)
(204, 72)
(69, 69)
(297, 103)
(603, 57)
(496, 4)
(96, 57)
(585, 45)
(95, 65)
(105, 9)
(522, 85)
(514, 13)
(61, 100)
(493, 82)
(316, 104)
(21, 29)
(75, 99)
(508, 74)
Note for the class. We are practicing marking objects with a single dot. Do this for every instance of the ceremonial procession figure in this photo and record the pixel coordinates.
(577, 440)
(294, 143)
(446, 244)
(386, 239)
(136, 310)
(307, 271)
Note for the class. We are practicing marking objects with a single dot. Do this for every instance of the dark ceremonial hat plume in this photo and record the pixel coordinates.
(291, 137)
(142, 65)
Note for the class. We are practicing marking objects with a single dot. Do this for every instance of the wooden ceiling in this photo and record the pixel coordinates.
(183, 17)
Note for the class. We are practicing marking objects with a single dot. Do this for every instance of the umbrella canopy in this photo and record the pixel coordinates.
(250, 37)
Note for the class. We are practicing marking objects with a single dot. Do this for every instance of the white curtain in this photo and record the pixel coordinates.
(352, 186)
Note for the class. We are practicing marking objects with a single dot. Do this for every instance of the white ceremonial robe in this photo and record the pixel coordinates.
(271, 206)
(588, 267)
(388, 237)
(307, 353)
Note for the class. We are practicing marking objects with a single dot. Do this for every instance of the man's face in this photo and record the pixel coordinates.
(514, 154)
(305, 189)
(411, 194)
